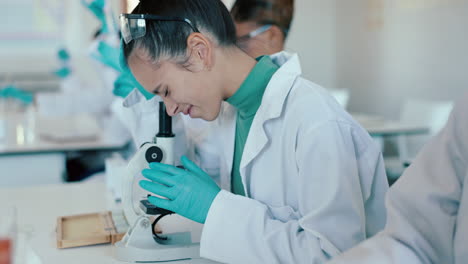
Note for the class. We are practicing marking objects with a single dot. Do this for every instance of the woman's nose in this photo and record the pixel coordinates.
(172, 108)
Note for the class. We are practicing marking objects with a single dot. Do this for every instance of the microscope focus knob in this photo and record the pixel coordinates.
(154, 154)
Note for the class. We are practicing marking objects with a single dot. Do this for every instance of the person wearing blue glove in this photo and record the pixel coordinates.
(190, 192)
(305, 180)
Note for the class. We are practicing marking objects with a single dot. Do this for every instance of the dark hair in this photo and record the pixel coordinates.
(169, 38)
(263, 12)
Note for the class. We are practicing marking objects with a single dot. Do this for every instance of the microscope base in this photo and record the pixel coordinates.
(138, 245)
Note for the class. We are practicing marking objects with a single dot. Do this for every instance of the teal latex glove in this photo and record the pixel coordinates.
(126, 70)
(97, 8)
(63, 55)
(123, 85)
(190, 192)
(63, 72)
(107, 55)
(13, 92)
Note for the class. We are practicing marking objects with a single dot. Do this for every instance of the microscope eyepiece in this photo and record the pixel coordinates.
(165, 122)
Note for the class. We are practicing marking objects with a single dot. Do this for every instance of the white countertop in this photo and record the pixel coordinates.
(38, 208)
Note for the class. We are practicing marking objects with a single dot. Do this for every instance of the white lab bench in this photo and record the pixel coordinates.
(39, 206)
(28, 158)
(380, 127)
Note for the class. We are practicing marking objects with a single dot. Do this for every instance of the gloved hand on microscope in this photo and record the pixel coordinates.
(189, 192)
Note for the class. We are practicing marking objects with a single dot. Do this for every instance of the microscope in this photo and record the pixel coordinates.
(141, 243)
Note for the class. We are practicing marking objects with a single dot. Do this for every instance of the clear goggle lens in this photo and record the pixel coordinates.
(132, 28)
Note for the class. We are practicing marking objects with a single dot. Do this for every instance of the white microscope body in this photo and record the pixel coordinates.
(139, 244)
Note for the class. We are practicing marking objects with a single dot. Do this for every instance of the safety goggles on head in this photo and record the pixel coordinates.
(133, 26)
(255, 33)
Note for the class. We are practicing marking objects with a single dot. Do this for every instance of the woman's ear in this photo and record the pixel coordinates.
(276, 34)
(200, 51)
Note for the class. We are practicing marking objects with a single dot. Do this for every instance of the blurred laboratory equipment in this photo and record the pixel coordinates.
(7, 235)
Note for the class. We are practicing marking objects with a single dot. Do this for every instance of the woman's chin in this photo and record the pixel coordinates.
(207, 117)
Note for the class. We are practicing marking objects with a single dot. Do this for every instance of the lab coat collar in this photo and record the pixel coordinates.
(133, 98)
(272, 105)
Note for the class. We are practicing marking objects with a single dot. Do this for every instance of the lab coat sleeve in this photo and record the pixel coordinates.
(330, 208)
(423, 204)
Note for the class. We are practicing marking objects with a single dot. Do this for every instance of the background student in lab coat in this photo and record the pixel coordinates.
(262, 26)
(427, 207)
(307, 181)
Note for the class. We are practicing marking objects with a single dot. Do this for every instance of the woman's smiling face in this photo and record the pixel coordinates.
(190, 90)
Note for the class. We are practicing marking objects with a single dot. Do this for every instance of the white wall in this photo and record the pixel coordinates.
(389, 50)
(384, 50)
(313, 36)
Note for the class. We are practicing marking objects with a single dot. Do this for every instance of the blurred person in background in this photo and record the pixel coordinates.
(262, 25)
(427, 207)
(100, 98)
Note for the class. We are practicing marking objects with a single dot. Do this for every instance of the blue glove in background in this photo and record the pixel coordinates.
(123, 85)
(107, 55)
(63, 72)
(190, 192)
(63, 55)
(126, 70)
(97, 8)
(64, 58)
(16, 93)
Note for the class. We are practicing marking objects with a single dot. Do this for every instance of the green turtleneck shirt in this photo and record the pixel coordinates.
(247, 100)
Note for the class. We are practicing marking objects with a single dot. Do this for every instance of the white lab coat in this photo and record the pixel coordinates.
(314, 180)
(196, 138)
(428, 206)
